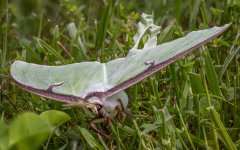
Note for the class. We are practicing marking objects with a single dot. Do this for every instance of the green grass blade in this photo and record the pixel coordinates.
(102, 29)
(3, 52)
(185, 128)
(196, 83)
(90, 139)
(228, 60)
(52, 51)
(217, 125)
(194, 12)
(221, 130)
(204, 12)
(211, 74)
(175, 83)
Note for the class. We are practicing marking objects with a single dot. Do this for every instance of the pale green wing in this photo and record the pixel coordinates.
(133, 65)
(76, 79)
(72, 83)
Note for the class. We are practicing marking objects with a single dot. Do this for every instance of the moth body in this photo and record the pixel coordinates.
(109, 104)
(120, 99)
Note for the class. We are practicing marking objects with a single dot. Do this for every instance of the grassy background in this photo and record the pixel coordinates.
(192, 104)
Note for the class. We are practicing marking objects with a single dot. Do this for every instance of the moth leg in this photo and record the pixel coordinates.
(107, 122)
(125, 111)
(92, 126)
(108, 119)
(117, 112)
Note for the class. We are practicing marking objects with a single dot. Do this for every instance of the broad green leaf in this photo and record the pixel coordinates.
(28, 131)
(4, 136)
(55, 118)
(231, 93)
(203, 104)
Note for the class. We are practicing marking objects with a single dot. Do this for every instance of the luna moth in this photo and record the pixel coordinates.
(101, 86)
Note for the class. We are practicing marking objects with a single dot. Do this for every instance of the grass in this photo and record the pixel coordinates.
(191, 104)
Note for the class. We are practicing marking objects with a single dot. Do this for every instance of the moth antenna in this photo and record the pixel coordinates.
(151, 63)
(54, 85)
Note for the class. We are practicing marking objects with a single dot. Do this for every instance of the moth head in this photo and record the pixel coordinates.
(108, 104)
(97, 102)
